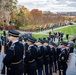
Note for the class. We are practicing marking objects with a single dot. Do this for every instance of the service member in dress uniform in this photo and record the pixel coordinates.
(20, 38)
(24, 41)
(63, 59)
(58, 50)
(54, 57)
(71, 46)
(13, 59)
(30, 57)
(47, 58)
(40, 56)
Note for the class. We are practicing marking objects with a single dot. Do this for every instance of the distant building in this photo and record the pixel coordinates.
(67, 13)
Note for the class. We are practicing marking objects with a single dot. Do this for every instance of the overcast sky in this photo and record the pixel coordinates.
(50, 5)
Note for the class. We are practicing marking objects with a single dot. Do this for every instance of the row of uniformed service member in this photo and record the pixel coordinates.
(34, 59)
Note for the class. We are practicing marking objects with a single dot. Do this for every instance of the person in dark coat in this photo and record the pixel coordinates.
(54, 57)
(13, 59)
(67, 36)
(47, 58)
(25, 43)
(71, 46)
(58, 50)
(62, 61)
(40, 56)
(30, 57)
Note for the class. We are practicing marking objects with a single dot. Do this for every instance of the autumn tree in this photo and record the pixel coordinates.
(6, 7)
(22, 17)
(37, 16)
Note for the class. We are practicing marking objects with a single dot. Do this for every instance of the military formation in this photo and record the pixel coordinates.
(26, 55)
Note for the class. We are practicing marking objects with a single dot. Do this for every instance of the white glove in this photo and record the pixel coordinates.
(23, 56)
(3, 55)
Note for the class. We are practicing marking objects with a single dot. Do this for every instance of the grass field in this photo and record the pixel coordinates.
(40, 35)
(1, 33)
(71, 30)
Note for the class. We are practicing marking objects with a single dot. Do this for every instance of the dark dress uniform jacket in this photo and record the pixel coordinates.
(40, 56)
(30, 59)
(63, 60)
(47, 55)
(58, 52)
(54, 54)
(26, 46)
(14, 59)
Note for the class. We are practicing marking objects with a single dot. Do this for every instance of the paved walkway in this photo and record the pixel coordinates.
(72, 65)
(1, 60)
(45, 31)
(0, 64)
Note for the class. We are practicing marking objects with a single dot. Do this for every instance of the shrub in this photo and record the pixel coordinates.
(9, 27)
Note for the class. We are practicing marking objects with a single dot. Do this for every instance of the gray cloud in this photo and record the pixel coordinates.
(72, 5)
(50, 5)
(72, 0)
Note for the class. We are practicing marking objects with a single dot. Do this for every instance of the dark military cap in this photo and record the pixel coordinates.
(46, 41)
(26, 38)
(44, 38)
(54, 44)
(41, 40)
(13, 33)
(64, 43)
(20, 38)
(32, 39)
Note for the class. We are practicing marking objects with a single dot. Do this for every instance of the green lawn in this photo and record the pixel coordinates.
(40, 36)
(1, 33)
(71, 30)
